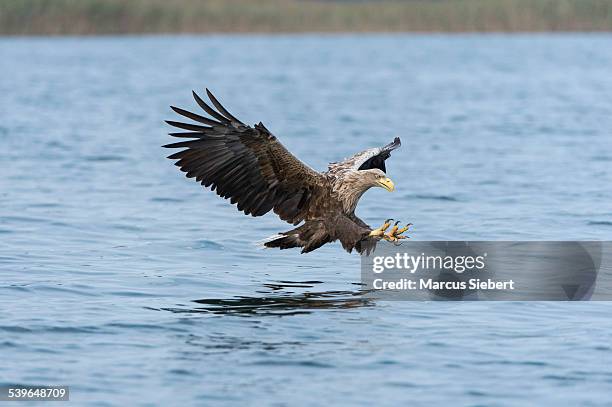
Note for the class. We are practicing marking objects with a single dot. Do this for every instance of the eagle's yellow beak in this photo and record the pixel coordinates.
(387, 184)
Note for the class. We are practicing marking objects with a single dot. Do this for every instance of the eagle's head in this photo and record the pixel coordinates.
(352, 184)
(375, 178)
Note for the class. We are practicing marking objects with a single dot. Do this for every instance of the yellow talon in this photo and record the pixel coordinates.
(380, 232)
(396, 233)
(394, 229)
(405, 228)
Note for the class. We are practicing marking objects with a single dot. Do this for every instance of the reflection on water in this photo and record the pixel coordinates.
(280, 303)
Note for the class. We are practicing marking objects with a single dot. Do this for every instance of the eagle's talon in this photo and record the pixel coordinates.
(396, 233)
(380, 232)
(404, 229)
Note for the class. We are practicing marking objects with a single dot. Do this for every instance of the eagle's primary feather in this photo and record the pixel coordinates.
(249, 166)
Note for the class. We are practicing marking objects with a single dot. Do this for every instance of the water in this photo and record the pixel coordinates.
(133, 285)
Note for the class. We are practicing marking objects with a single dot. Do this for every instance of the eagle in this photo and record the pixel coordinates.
(249, 166)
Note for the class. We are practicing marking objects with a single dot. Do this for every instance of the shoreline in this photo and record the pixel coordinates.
(315, 34)
(136, 17)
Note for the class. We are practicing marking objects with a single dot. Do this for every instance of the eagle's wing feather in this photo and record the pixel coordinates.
(368, 159)
(245, 164)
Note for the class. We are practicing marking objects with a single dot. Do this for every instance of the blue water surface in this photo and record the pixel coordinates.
(135, 286)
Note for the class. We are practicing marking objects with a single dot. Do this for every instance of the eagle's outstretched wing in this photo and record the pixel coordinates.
(245, 164)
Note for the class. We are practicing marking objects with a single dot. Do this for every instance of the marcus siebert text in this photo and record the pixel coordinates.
(431, 284)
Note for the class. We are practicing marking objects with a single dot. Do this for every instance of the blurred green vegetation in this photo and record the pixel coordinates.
(58, 17)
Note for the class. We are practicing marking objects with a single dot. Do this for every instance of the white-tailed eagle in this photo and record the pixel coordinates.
(249, 166)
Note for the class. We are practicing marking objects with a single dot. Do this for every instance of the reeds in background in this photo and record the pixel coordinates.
(84, 17)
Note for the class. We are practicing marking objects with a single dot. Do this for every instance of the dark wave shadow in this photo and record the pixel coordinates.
(277, 303)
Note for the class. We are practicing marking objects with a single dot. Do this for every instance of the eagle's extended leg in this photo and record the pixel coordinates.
(395, 233)
(380, 232)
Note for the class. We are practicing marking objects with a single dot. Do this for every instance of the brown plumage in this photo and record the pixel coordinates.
(249, 166)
